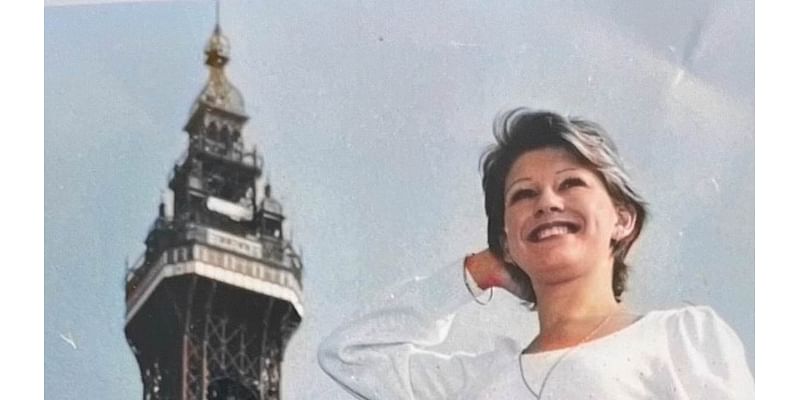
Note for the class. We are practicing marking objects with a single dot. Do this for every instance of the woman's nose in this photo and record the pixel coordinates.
(549, 202)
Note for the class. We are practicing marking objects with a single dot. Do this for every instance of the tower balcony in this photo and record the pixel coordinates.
(267, 266)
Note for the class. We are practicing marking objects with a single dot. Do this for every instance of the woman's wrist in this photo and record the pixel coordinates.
(483, 268)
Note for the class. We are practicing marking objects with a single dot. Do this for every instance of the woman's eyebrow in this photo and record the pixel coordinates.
(527, 178)
(518, 180)
(567, 170)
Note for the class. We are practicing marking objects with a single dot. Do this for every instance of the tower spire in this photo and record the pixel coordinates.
(216, 2)
(219, 92)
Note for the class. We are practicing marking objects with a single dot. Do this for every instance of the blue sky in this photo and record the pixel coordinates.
(371, 117)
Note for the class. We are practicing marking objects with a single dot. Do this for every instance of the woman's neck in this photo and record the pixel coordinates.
(569, 311)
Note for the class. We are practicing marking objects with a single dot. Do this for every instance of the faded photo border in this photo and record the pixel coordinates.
(371, 117)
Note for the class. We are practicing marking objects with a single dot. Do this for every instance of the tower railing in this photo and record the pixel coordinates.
(269, 251)
(146, 274)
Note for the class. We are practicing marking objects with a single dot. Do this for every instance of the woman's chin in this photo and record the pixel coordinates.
(551, 263)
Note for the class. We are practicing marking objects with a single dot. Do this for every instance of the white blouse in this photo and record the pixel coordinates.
(386, 353)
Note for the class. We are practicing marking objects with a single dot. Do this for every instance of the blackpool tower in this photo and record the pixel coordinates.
(217, 294)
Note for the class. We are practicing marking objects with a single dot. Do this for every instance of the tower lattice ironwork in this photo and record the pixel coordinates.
(214, 299)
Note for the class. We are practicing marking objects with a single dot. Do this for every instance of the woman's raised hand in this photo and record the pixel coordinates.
(490, 271)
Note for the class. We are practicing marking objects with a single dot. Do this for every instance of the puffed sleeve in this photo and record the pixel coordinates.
(708, 358)
(388, 352)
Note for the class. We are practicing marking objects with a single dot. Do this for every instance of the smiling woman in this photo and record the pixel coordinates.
(562, 216)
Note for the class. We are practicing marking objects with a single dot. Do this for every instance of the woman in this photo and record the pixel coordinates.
(562, 216)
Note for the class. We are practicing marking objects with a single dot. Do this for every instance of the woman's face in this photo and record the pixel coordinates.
(559, 217)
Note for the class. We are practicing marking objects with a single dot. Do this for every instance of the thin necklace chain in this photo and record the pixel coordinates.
(562, 357)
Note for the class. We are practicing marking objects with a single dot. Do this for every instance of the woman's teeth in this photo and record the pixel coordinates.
(552, 231)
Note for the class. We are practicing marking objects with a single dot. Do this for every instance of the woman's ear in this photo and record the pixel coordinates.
(626, 222)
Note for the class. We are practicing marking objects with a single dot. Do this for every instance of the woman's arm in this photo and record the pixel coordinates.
(387, 353)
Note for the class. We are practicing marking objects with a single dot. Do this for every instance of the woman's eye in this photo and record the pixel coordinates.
(571, 182)
(521, 194)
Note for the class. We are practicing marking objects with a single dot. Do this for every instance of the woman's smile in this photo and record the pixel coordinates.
(544, 230)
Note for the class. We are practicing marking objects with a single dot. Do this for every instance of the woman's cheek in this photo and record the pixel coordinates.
(515, 241)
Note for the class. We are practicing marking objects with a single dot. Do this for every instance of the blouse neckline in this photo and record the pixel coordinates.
(593, 342)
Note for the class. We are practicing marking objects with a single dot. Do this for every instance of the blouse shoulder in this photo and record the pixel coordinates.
(700, 329)
(696, 320)
(706, 353)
